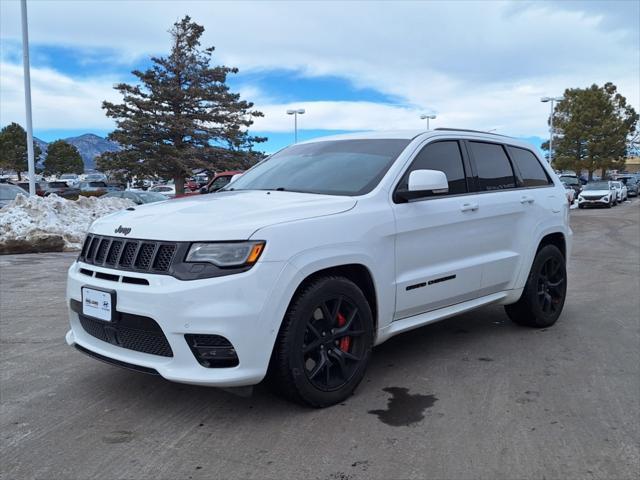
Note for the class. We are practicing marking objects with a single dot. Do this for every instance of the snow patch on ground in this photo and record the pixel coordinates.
(30, 219)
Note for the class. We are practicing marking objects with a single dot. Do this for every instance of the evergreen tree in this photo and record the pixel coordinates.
(180, 116)
(13, 149)
(592, 129)
(62, 157)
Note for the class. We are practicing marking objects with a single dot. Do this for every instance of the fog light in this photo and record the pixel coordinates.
(212, 351)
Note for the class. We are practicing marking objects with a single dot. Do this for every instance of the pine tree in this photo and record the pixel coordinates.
(181, 116)
(62, 157)
(13, 149)
(593, 127)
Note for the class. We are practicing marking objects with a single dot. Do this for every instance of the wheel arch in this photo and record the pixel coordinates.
(358, 274)
(557, 239)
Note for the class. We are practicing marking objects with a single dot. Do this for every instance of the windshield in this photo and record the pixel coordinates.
(9, 192)
(57, 185)
(340, 167)
(569, 180)
(597, 186)
(69, 176)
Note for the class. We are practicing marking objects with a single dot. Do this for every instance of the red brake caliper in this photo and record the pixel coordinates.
(345, 342)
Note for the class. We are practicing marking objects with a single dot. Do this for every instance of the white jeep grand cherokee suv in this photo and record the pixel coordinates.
(318, 253)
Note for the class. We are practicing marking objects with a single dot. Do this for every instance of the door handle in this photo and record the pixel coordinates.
(469, 207)
(527, 199)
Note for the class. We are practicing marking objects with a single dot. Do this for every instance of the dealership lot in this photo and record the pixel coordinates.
(471, 397)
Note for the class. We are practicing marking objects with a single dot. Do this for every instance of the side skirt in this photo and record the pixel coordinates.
(415, 321)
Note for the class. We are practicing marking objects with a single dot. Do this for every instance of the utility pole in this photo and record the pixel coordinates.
(27, 99)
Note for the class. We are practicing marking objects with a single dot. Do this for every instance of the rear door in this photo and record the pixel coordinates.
(438, 260)
(503, 220)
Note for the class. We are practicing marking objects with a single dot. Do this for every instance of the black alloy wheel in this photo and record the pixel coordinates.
(324, 344)
(544, 293)
(333, 346)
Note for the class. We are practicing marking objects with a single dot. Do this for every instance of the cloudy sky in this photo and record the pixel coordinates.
(352, 66)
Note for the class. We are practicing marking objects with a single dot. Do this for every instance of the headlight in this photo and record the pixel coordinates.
(226, 254)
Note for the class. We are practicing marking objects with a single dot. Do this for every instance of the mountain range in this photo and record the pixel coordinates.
(89, 145)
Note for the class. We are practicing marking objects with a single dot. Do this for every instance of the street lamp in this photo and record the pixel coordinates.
(552, 100)
(295, 114)
(427, 117)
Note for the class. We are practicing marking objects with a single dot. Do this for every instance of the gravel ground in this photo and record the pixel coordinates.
(471, 397)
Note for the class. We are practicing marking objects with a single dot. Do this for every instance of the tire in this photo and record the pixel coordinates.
(580, 206)
(609, 205)
(544, 293)
(314, 362)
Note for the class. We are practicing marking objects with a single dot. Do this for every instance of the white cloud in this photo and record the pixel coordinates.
(59, 101)
(476, 64)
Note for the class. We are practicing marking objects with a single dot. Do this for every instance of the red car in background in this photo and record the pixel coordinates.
(216, 183)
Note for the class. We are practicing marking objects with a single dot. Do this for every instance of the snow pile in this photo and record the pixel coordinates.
(34, 220)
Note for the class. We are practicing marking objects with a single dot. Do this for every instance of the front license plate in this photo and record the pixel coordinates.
(98, 303)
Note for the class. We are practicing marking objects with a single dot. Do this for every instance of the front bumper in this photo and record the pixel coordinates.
(236, 307)
(598, 201)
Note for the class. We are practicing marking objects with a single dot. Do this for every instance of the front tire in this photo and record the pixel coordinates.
(324, 344)
(544, 294)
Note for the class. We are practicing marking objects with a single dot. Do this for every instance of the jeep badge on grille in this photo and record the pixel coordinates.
(122, 230)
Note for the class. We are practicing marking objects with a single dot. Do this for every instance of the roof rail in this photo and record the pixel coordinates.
(470, 131)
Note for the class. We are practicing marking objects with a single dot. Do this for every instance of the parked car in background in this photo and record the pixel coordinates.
(570, 192)
(95, 177)
(190, 185)
(38, 185)
(8, 193)
(220, 180)
(116, 187)
(168, 191)
(621, 191)
(138, 197)
(595, 194)
(631, 182)
(61, 189)
(573, 182)
(96, 188)
(71, 179)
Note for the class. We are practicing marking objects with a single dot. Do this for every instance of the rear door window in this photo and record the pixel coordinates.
(444, 156)
(493, 166)
(531, 172)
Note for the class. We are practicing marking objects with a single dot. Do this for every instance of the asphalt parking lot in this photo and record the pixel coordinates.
(474, 396)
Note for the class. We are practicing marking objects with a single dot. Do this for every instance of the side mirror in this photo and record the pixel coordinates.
(236, 176)
(423, 183)
(204, 190)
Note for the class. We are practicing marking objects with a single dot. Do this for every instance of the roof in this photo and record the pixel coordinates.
(411, 134)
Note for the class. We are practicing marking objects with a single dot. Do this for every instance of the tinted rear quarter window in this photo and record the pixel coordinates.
(494, 168)
(531, 172)
(443, 156)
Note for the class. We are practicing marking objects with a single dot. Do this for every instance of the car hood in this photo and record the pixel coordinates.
(595, 193)
(218, 216)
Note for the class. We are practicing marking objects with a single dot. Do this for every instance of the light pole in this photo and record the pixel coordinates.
(295, 114)
(27, 99)
(552, 100)
(427, 117)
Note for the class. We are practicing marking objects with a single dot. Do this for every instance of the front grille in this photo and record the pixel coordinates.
(592, 197)
(133, 332)
(136, 255)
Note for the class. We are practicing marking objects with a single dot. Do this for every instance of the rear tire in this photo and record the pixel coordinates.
(544, 293)
(324, 344)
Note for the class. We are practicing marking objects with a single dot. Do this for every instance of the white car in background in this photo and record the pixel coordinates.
(168, 191)
(71, 179)
(570, 192)
(621, 191)
(598, 194)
